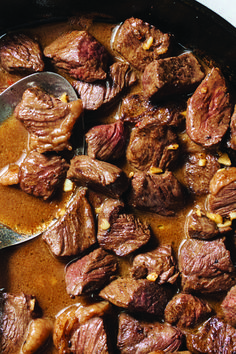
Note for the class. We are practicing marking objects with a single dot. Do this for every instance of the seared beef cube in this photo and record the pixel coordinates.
(152, 145)
(145, 337)
(222, 198)
(198, 171)
(209, 110)
(158, 193)
(95, 95)
(80, 329)
(140, 43)
(90, 273)
(80, 54)
(17, 311)
(158, 265)
(228, 307)
(171, 76)
(186, 310)
(232, 141)
(48, 120)
(98, 175)
(198, 225)
(205, 266)
(135, 107)
(119, 232)
(20, 54)
(107, 141)
(74, 232)
(137, 295)
(214, 336)
(41, 175)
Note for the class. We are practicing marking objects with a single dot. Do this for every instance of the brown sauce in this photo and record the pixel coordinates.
(31, 268)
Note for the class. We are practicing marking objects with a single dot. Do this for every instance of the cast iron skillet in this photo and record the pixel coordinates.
(194, 25)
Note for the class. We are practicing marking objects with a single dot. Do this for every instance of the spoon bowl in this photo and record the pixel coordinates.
(53, 84)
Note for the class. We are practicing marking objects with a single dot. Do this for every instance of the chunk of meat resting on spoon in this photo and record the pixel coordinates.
(20, 54)
(158, 265)
(90, 273)
(142, 337)
(160, 193)
(99, 93)
(170, 76)
(209, 110)
(79, 54)
(119, 232)
(222, 196)
(82, 329)
(74, 232)
(206, 266)
(48, 120)
(106, 142)
(140, 43)
(98, 175)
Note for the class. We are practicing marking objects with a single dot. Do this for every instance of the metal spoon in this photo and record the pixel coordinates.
(53, 84)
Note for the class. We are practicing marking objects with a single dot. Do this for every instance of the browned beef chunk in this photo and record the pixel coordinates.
(158, 265)
(135, 107)
(222, 198)
(198, 225)
(143, 337)
(41, 175)
(82, 330)
(94, 95)
(98, 175)
(209, 110)
(119, 232)
(205, 266)
(80, 54)
(186, 310)
(170, 76)
(232, 141)
(107, 141)
(74, 232)
(228, 307)
(198, 171)
(48, 120)
(152, 145)
(140, 43)
(215, 336)
(137, 295)
(90, 273)
(20, 54)
(17, 310)
(159, 193)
